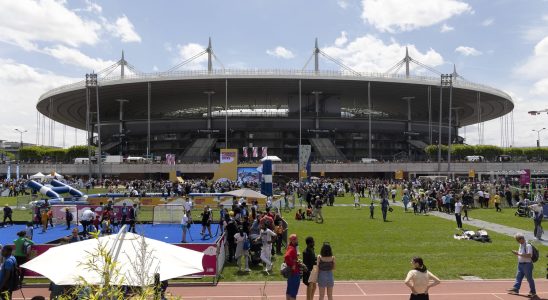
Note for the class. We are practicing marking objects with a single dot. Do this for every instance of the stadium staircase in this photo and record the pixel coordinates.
(199, 150)
(110, 145)
(325, 149)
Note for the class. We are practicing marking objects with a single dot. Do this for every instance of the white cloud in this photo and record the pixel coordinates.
(540, 88)
(405, 15)
(25, 22)
(280, 52)
(340, 41)
(371, 54)
(343, 3)
(535, 66)
(74, 57)
(123, 28)
(446, 28)
(189, 50)
(21, 87)
(467, 51)
(91, 7)
(488, 22)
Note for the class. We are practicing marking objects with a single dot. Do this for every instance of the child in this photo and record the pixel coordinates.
(371, 211)
(29, 232)
(299, 215)
(309, 212)
(96, 223)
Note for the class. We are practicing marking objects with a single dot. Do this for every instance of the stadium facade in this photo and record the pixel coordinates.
(344, 115)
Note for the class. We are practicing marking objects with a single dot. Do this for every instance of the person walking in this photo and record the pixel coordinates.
(371, 210)
(384, 208)
(68, 217)
(266, 236)
(458, 210)
(420, 280)
(8, 212)
(326, 266)
(291, 260)
(8, 280)
(538, 215)
(309, 260)
(496, 200)
(185, 225)
(242, 249)
(405, 200)
(525, 266)
(21, 245)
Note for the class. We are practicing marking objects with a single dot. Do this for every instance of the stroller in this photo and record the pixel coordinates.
(255, 252)
(523, 210)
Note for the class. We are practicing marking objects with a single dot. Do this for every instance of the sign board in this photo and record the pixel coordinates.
(471, 173)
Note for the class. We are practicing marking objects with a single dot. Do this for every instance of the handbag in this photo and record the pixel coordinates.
(313, 274)
(285, 270)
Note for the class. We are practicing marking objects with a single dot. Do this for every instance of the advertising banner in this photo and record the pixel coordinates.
(227, 156)
(525, 177)
(248, 175)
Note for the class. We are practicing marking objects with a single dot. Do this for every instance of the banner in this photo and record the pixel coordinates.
(227, 156)
(471, 173)
(264, 152)
(8, 173)
(228, 165)
(255, 151)
(170, 159)
(398, 174)
(17, 172)
(244, 152)
(248, 174)
(304, 161)
(525, 177)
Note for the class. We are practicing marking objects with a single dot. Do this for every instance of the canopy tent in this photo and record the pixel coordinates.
(168, 260)
(246, 193)
(38, 175)
(53, 175)
(272, 158)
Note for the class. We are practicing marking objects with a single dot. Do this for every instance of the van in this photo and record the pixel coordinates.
(475, 158)
(369, 160)
(81, 160)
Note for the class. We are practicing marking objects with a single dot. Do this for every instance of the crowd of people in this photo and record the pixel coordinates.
(257, 235)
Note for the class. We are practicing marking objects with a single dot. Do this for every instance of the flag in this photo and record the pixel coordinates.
(255, 151)
(17, 172)
(244, 152)
(170, 159)
(8, 173)
(264, 151)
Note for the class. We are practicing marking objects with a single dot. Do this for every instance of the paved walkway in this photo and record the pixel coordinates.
(498, 228)
(344, 290)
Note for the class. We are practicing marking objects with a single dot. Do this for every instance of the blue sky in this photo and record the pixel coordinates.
(502, 43)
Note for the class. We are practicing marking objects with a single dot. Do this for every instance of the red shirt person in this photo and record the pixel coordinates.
(291, 260)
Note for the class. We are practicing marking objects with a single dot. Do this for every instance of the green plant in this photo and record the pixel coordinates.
(490, 152)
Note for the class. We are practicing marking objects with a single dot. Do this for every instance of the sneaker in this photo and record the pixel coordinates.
(247, 270)
(512, 291)
(532, 295)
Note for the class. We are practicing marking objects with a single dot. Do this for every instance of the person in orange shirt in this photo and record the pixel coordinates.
(44, 220)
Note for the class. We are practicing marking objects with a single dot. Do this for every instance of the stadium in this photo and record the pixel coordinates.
(344, 115)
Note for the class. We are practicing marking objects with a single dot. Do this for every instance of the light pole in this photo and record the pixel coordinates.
(538, 135)
(20, 140)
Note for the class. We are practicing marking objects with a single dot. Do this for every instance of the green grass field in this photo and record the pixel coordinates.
(373, 249)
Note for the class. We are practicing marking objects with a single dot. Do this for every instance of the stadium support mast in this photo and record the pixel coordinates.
(209, 50)
(122, 65)
(407, 60)
(316, 57)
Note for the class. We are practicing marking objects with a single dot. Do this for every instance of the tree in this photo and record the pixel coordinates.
(461, 151)
(490, 152)
(432, 151)
(5, 155)
(79, 151)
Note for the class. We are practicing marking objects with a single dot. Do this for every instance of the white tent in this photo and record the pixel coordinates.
(168, 260)
(54, 175)
(246, 193)
(38, 175)
(272, 158)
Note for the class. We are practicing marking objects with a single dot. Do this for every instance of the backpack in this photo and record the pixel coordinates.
(15, 278)
(535, 254)
(247, 244)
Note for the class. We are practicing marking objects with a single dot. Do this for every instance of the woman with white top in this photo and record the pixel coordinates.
(420, 280)
(242, 249)
(185, 224)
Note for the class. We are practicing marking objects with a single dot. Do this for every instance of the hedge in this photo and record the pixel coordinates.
(490, 152)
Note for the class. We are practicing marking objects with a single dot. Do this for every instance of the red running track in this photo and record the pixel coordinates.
(345, 290)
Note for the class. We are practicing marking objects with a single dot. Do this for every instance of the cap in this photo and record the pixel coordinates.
(293, 237)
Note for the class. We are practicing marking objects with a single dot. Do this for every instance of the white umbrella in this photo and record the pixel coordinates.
(246, 193)
(68, 264)
(271, 157)
(38, 175)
